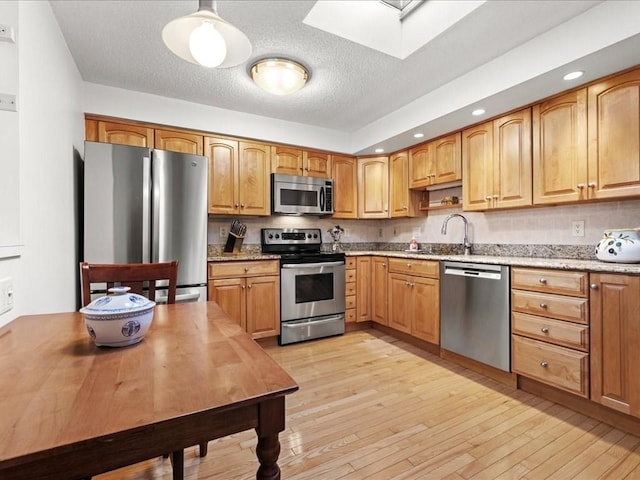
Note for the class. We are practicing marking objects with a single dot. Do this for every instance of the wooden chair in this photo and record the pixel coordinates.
(138, 276)
(142, 278)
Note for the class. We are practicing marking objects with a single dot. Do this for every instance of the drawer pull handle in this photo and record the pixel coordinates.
(543, 281)
(408, 265)
(544, 364)
(594, 286)
(543, 305)
(544, 329)
(384, 265)
(580, 186)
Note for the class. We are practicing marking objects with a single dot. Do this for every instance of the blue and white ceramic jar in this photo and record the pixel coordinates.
(621, 246)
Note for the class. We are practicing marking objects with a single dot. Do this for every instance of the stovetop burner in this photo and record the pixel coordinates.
(296, 245)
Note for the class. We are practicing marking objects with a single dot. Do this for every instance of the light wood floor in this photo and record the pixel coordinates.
(372, 407)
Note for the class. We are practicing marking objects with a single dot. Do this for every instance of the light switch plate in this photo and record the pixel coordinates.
(6, 294)
(8, 102)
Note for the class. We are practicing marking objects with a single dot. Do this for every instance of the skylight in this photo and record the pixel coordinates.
(404, 7)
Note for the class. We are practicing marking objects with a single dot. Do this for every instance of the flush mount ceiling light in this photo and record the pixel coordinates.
(573, 75)
(279, 76)
(478, 111)
(418, 135)
(206, 39)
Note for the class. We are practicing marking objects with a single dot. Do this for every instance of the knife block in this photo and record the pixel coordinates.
(234, 244)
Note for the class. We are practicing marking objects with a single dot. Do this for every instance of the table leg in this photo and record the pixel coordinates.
(270, 423)
(177, 464)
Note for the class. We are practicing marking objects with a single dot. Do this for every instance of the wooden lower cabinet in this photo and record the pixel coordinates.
(550, 327)
(350, 289)
(414, 298)
(379, 294)
(248, 292)
(363, 289)
(615, 341)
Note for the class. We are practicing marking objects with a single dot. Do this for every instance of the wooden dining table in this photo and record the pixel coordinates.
(71, 410)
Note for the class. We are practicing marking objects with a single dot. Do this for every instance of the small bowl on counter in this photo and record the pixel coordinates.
(119, 319)
(620, 246)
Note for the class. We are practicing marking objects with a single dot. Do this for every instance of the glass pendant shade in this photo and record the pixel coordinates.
(279, 76)
(206, 39)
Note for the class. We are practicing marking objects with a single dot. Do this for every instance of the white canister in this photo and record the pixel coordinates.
(622, 245)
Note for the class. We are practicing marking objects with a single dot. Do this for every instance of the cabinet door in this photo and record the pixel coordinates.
(615, 342)
(254, 165)
(345, 187)
(125, 134)
(373, 191)
(223, 175)
(286, 160)
(560, 149)
(447, 159)
(420, 166)
(363, 289)
(178, 141)
(425, 323)
(614, 137)
(229, 293)
(400, 303)
(316, 164)
(399, 204)
(263, 306)
(512, 163)
(379, 291)
(477, 167)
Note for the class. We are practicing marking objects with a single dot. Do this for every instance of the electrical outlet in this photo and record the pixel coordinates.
(6, 294)
(6, 34)
(224, 232)
(577, 228)
(8, 102)
(379, 233)
(347, 232)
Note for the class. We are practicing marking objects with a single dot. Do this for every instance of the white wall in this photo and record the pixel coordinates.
(50, 127)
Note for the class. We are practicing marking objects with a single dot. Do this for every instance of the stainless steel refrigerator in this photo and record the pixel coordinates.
(144, 205)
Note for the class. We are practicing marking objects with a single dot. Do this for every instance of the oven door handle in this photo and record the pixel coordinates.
(314, 322)
(312, 265)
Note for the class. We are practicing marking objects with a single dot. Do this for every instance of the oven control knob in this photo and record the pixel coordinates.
(277, 235)
(315, 235)
(271, 235)
(308, 235)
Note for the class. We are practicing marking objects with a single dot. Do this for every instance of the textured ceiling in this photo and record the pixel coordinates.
(118, 43)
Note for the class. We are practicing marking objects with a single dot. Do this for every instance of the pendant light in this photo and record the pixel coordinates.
(206, 39)
(279, 76)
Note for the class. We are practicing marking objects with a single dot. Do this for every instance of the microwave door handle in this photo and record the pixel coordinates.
(322, 199)
(312, 265)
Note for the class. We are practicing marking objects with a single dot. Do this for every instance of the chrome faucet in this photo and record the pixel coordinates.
(465, 242)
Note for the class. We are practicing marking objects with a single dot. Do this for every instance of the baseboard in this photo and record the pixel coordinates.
(496, 374)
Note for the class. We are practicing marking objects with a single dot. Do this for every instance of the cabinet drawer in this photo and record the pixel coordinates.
(557, 366)
(572, 335)
(350, 315)
(349, 275)
(409, 266)
(350, 302)
(350, 262)
(550, 281)
(572, 309)
(350, 288)
(243, 269)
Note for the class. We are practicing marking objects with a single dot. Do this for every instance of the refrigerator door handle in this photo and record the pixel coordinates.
(146, 209)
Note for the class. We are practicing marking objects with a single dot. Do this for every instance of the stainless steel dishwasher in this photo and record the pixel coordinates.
(474, 312)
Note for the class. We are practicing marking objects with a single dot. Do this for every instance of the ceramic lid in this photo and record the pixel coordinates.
(120, 301)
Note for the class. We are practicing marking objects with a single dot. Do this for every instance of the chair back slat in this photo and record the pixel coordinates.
(137, 276)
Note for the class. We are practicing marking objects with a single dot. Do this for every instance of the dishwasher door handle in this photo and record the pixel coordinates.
(473, 273)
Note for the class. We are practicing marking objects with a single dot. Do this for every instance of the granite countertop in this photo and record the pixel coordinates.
(555, 263)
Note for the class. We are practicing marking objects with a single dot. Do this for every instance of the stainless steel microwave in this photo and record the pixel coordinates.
(296, 195)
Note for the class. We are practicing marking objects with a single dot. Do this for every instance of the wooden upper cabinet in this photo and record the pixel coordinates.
(373, 187)
(436, 162)
(286, 160)
(345, 187)
(120, 133)
(496, 158)
(402, 201)
(179, 141)
(614, 137)
(254, 190)
(560, 149)
(316, 164)
(293, 161)
(223, 175)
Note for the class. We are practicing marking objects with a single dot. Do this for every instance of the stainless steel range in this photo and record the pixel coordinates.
(311, 284)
